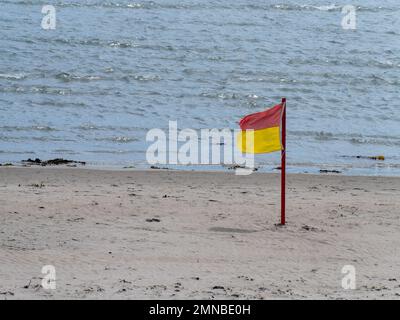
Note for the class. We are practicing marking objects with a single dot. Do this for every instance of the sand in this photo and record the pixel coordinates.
(162, 234)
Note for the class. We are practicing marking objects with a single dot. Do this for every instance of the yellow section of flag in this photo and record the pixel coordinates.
(259, 141)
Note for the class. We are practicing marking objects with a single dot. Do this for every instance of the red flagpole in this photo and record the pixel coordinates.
(283, 165)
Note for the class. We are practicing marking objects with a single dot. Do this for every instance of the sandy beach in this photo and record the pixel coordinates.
(162, 234)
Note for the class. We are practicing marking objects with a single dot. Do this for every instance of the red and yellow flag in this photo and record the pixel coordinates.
(266, 136)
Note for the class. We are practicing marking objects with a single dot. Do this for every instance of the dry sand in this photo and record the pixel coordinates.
(190, 235)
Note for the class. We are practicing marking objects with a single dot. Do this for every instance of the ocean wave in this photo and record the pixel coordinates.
(28, 128)
(94, 127)
(153, 5)
(220, 95)
(120, 139)
(56, 91)
(308, 133)
(266, 79)
(331, 7)
(345, 62)
(327, 8)
(114, 151)
(67, 77)
(61, 104)
(96, 42)
(103, 4)
(13, 76)
(230, 96)
(141, 77)
(27, 139)
(16, 152)
(353, 138)
(64, 151)
(373, 141)
(36, 89)
(127, 77)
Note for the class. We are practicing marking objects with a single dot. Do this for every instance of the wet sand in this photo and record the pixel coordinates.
(162, 234)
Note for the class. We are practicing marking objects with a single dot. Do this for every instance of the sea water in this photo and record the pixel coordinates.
(111, 70)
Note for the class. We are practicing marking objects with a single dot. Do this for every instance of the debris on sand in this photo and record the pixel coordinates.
(379, 158)
(329, 171)
(52, 162)
(36, 185)
(310, 228)
(153, 220)
(158, 168)
(58, 161)
(238, 166)
(8, 164)
(30, 161)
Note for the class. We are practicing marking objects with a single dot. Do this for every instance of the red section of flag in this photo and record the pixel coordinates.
(262, 120)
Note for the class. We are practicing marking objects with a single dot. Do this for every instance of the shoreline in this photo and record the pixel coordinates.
(333, 170)
(187, 169)
(164, 234)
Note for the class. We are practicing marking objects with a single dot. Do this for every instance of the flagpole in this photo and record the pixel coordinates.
(283, 165)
